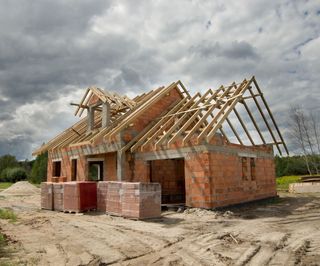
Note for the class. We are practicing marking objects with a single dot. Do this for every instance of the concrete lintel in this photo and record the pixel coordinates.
(181, 152)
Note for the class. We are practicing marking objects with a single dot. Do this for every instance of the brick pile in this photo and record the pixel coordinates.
(80, 196)
(46, 196)
(141, 200)
(58, 196)
(102, 190)
(113, 202)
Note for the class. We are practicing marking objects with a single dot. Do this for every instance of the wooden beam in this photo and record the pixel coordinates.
(168, 121)
(154, 131)
(224, 134)
(147, 131)
(183, 118)
(254, 122)
(225, 110)
(204, 117)
(266, 122)
(234, 130)
(81, 102)
(140, 110)
(271, 116)
(243, 126)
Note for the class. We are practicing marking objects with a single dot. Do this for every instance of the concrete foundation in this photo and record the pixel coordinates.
(310, 187)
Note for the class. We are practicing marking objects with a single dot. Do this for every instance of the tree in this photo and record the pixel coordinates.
(39, 169)
(304, 129)
(13, 174)
(7, 161)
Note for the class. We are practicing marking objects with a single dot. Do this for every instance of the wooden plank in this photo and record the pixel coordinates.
(234, 130)
(243, 126)
(271, 116)
(254, 122)
(143, 134)
(194, 117)
(140, 110)
(225, 110)
(265, 121)
(164, 122)
(224, 134)
(204, 117)
(183, 118)
(81, 102)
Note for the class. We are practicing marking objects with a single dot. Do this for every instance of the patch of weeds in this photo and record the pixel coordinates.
(8, 215)
(284, 181)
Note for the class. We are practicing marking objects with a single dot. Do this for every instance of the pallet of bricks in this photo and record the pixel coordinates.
(69, 196)
(132, 200)
(80, 196)
(52, 196)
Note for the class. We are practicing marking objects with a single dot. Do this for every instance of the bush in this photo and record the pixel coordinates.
(39, 169)
(284, 181)
(8, 215)
(8, 161)
(13, 174)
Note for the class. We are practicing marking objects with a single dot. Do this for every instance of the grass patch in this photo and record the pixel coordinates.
(5, 185)
(8, 215)
(284, 181)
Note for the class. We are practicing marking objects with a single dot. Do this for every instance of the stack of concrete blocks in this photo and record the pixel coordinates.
(132, 200)
(308, 187)
(80, 196)
(47, 196)
(113, 201)
(141, 200)
(102, 190)
(58, 192)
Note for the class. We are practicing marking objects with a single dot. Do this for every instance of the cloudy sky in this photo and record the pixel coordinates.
(51, 50)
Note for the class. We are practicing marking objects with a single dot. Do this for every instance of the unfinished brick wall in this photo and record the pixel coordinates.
(170, 174)
(215, 179)
(109, 168)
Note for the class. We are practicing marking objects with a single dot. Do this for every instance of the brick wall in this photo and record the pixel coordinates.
(109, 168)
(214, 178)
(170, 174)
(153, 112)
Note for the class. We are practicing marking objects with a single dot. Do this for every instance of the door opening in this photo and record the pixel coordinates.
(170, 174)
(95, 171)
(74, 170)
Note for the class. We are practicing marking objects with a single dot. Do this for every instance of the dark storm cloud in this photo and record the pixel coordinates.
(234, 50)
(50, 50)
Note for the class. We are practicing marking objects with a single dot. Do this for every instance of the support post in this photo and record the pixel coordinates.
(120, 165)
(105, 114)
(90, 119)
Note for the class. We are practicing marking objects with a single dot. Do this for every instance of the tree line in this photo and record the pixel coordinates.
(12, 170)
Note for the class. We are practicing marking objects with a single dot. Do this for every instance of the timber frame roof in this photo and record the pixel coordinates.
(202, 115)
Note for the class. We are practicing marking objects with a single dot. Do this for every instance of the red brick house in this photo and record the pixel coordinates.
(188, 144)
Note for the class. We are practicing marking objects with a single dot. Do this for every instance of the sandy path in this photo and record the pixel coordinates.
(283, 233)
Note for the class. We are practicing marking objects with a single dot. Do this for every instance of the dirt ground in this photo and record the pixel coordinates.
(285, 231)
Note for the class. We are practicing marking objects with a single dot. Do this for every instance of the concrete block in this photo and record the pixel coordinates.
(310, 187)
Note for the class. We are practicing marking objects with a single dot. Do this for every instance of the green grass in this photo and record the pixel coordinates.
(5, 185)
(284, 181)
(8, 215)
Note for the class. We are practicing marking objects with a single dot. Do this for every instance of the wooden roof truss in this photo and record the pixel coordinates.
(205, 115)
(200, 116)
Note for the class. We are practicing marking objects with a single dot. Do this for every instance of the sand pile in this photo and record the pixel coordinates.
(21, 188)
